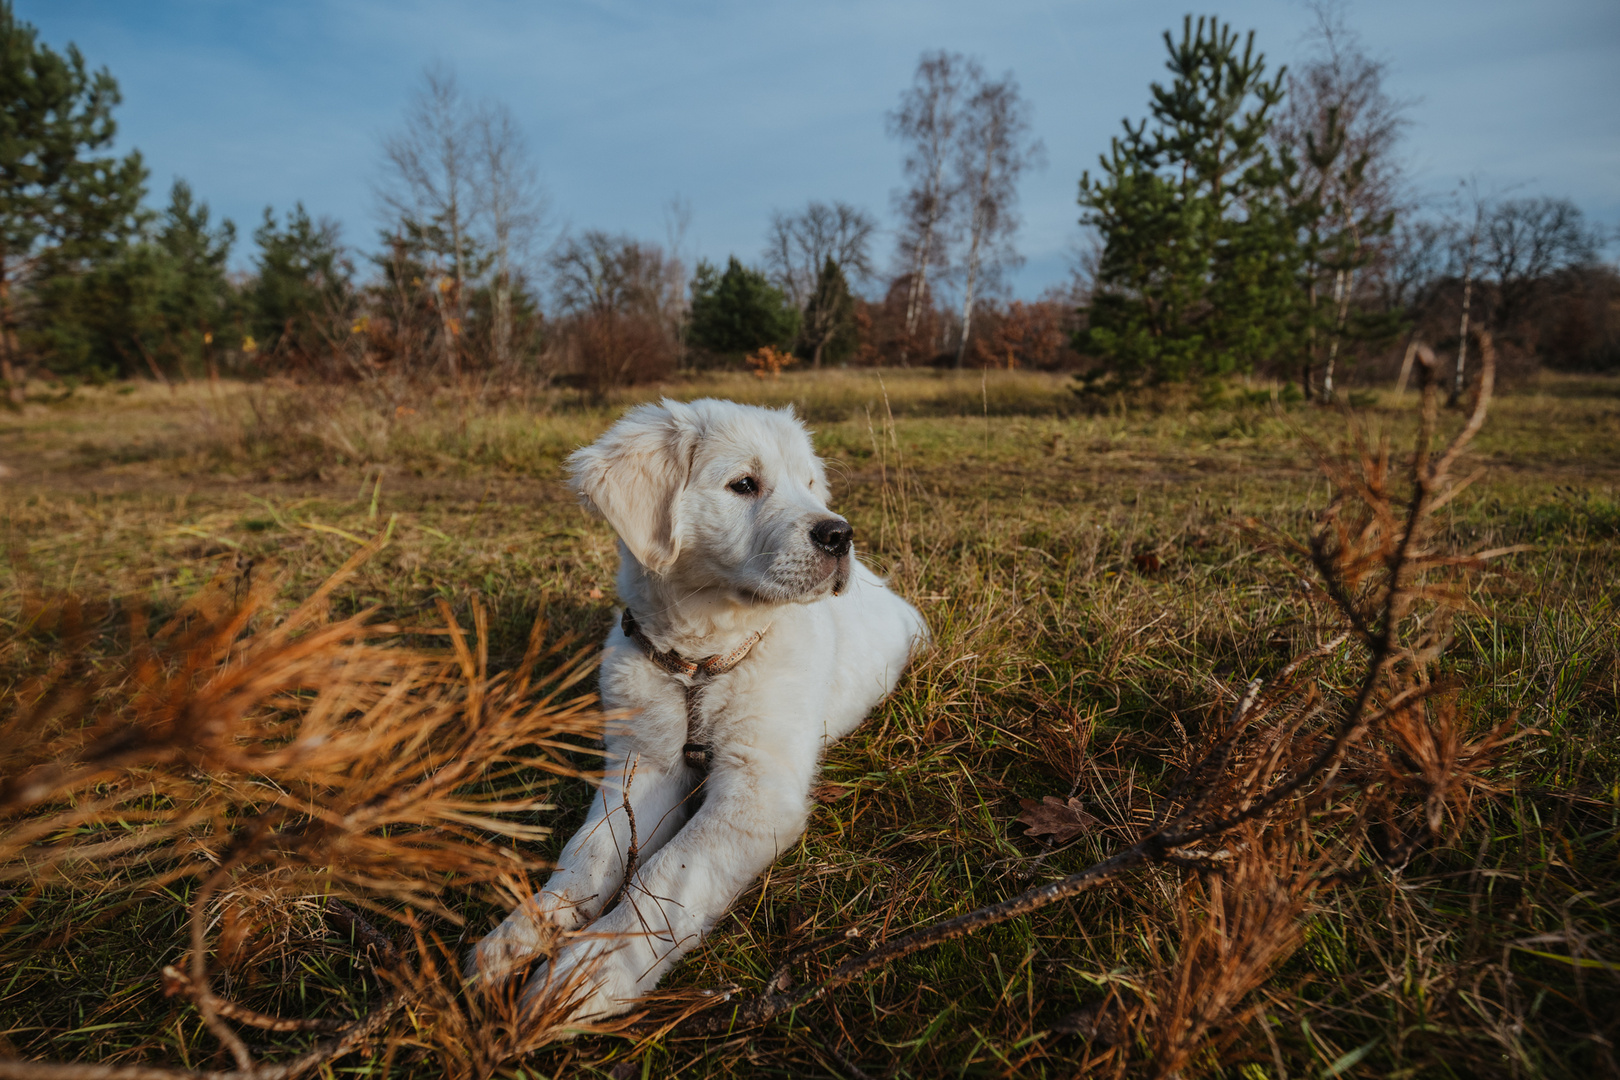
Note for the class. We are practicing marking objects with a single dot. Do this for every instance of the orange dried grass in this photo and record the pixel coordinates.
(295, 768)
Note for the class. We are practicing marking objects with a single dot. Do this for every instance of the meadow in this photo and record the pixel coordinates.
(1103, 576)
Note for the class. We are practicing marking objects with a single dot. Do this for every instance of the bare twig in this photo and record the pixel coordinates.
(632, 859)
(176, 981)
(365, 931)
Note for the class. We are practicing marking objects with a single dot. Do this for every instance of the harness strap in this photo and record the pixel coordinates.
(697, 755)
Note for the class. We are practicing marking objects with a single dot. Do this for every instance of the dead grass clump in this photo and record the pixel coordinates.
(277, 772)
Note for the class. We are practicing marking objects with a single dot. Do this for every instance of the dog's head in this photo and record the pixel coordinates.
(719, 495)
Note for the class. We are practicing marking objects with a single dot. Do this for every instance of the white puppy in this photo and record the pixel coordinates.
(753, 639)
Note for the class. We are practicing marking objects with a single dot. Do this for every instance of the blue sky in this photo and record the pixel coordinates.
(744, 106)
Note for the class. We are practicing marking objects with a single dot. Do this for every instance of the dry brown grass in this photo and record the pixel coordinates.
(1429, 898)
(288, 770)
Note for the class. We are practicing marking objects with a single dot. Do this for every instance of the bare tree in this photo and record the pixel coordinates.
(513, 207)
(1343, 129)
(677, 223)
(926, 122)
(1340, 80)
(598, 272)
(1528, 240)
(800, 245)
(429, 166)
(812, 256)
(1465, 255)
(621, 300)
(1416, 263)
(992, 150)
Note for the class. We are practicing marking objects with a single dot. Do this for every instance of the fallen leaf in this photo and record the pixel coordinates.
(594, 594)
(1147, 563)
(1058, 820)
(829, 793)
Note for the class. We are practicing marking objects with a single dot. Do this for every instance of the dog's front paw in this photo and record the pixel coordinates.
(588, 981)
(533, 930)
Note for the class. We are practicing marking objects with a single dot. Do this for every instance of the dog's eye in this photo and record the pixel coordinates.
(746, 486)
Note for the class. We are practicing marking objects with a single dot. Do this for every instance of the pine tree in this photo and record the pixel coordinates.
(198, 302)
(303, 296)
(829, 317)
(1198, 269)
(62, 207)
(155, 306)
(739, 310)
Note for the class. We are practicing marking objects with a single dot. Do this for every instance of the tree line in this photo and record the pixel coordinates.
(1259, 222)
(1253, 222)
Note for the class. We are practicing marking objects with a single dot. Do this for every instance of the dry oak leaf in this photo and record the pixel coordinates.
(1055, 819)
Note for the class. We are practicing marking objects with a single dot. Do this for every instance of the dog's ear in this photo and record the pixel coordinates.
(634, 475)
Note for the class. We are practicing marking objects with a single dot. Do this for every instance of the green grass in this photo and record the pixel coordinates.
(1012, 511)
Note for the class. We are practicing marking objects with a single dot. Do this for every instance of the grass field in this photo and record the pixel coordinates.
(1100, 586)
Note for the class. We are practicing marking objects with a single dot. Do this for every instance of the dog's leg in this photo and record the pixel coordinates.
(592, 865)
(756, 807)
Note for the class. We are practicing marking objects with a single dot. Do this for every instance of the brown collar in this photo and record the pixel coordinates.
(676, 664)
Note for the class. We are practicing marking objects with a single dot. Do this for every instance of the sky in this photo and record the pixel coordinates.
(742, 107)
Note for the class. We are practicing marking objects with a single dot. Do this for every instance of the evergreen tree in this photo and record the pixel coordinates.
(198, 302)
(829, 333)
(156, 306)
(739, 310)
(63, 208)
(303, 296)
(423, 295)
(1198, 269)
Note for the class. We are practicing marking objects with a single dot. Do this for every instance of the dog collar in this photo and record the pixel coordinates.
(676, 664)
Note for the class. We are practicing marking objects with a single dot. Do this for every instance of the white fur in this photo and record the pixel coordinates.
(702, 568)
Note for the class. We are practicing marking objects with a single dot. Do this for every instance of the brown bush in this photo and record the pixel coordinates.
(881, 329)
(606, 350)
(1023, 335)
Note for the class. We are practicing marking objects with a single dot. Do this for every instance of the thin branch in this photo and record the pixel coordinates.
(176, 981)
(365, 931)
(759, 1009)
(633, 858)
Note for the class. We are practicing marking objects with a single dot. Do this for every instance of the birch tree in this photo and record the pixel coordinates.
(514, 210)
(428, 187)
(1343, 129)
(992, 150)
(926, 123)
(1465, 255)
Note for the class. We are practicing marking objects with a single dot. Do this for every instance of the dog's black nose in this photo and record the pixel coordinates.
(833, 536)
